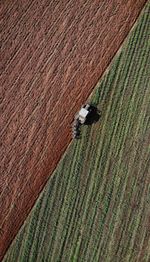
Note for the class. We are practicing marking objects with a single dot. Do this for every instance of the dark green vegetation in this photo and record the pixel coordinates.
(95, 206)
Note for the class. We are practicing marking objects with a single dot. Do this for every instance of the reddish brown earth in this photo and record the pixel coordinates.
(52, 55)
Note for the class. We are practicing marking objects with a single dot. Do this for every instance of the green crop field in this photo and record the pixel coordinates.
(96, 205)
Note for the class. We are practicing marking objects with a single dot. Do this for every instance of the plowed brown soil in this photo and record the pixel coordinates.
(52, 55)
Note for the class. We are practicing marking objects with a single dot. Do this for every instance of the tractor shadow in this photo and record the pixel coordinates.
(93, 116)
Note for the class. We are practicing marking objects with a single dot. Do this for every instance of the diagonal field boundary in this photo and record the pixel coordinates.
(53, 53)
(95, 206)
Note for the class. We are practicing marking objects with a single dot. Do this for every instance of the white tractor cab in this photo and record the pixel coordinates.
(83, 113)
(80, 119)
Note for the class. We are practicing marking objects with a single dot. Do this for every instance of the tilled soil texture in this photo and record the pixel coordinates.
(95, 206)
(52, 54)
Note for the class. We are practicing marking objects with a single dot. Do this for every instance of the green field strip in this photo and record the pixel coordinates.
(95, 206)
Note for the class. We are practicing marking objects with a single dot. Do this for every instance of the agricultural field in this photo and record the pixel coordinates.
(53, 52)
(95, 206)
